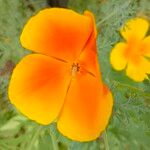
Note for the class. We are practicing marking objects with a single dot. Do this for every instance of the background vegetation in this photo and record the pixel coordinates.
(129, 127)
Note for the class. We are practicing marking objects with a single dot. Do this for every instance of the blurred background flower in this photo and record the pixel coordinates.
(131, 53)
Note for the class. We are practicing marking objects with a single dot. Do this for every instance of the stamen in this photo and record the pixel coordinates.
(75, 68)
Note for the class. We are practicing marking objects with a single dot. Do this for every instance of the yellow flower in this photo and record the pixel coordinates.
(134, 53)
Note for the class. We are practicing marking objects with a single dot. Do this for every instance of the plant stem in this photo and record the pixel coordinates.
(54, 142)
(106, 141)
(36, 134)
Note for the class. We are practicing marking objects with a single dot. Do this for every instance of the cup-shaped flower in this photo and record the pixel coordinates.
(62, 82)
(134, 52)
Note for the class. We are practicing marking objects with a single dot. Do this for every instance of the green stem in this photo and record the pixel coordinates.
(36, 134)
(106, 141)
(54, 142)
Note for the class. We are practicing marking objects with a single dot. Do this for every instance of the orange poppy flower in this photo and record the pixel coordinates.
(132, 53)
(62, 82)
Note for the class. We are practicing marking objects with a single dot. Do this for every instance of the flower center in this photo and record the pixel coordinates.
(75, 68)
(133, 50)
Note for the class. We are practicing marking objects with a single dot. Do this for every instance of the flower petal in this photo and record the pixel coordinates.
(146, 46)
(135, 28)
(88, 57)
(91, 16)
(38, 87)
(117, 56)
(138, 71)
(57, 32)
(86, 110)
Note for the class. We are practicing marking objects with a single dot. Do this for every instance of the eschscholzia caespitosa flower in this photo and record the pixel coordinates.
(62, 81)
(133, 54)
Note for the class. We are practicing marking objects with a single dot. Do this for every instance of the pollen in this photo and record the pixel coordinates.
(75, 68)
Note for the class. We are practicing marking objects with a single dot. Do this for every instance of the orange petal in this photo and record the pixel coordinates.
(135, 28)
(86, 110)
(88, 58)
(138, 71)
(117, 57)
(91, 16)
(145, 48)
(57, 32)
(38, 87)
